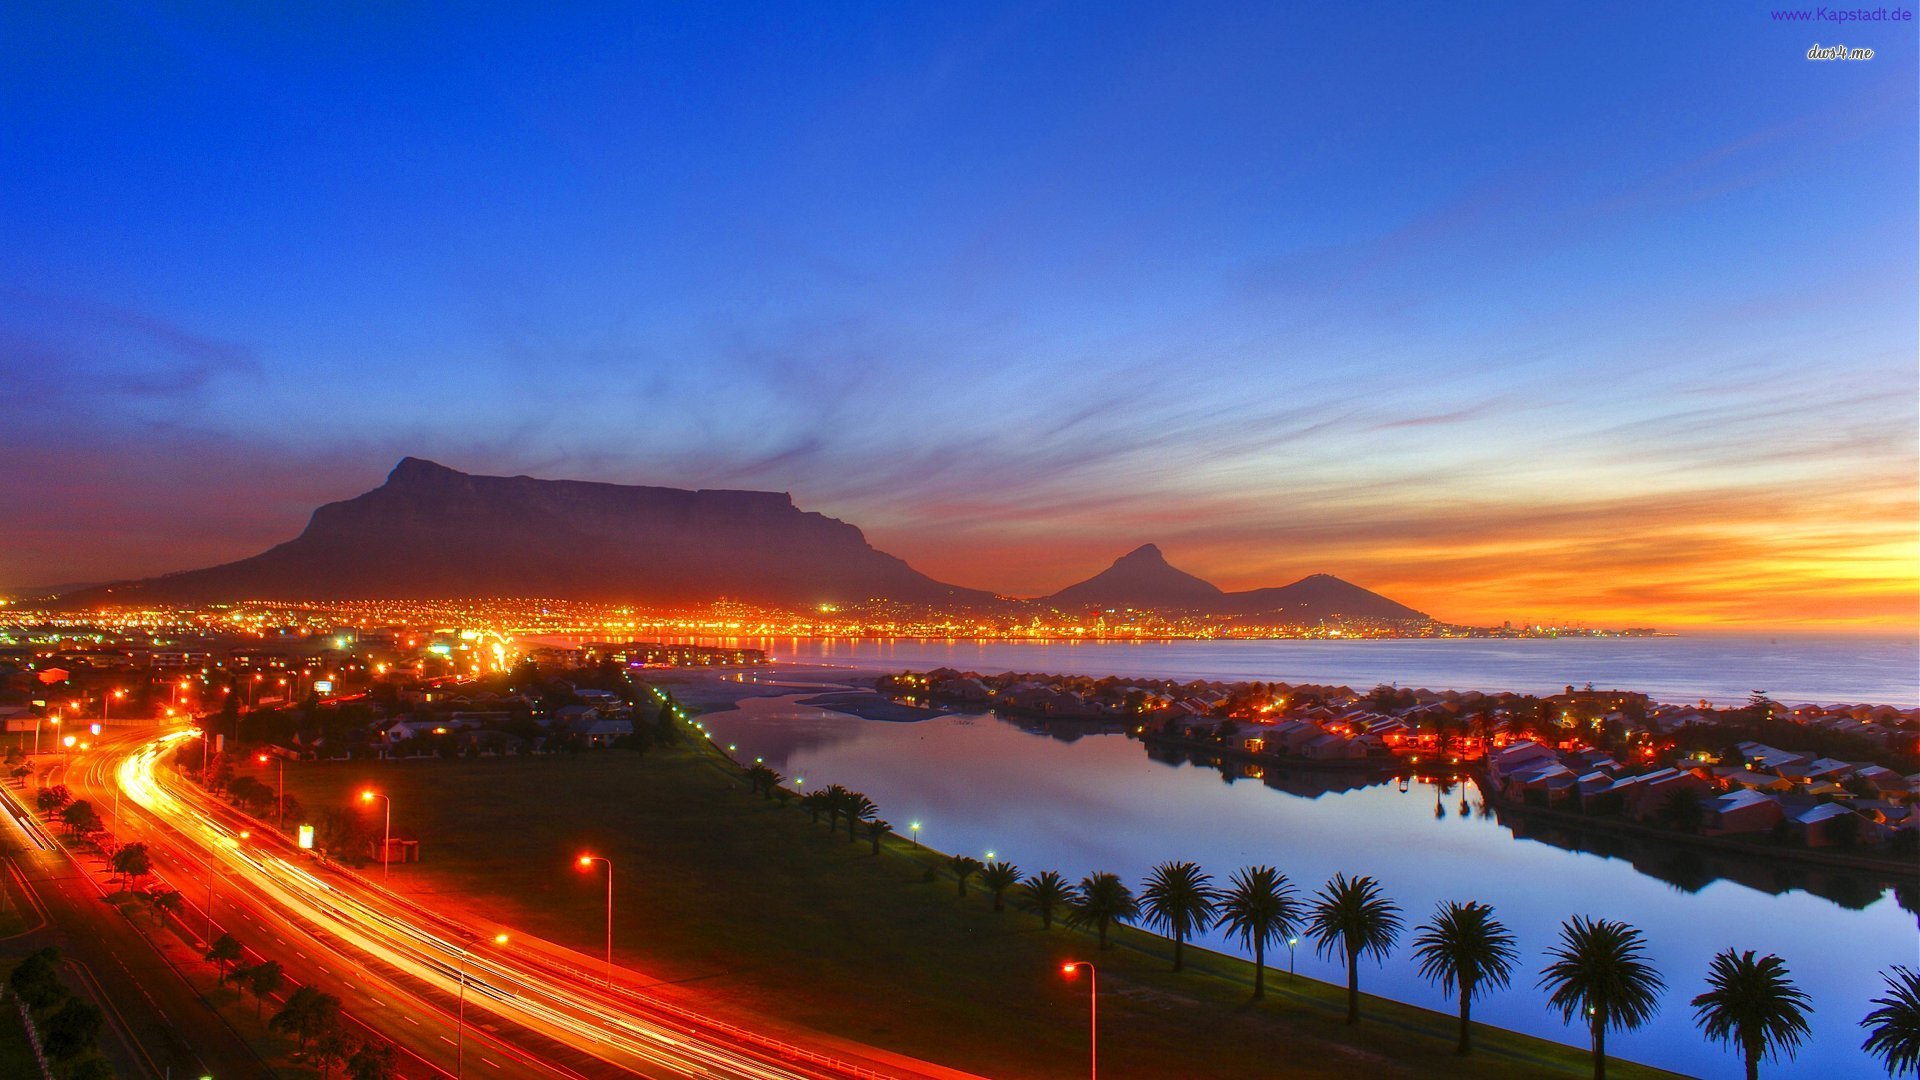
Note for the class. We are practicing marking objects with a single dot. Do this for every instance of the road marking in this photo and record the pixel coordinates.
(489, 1062)
(411, 1020)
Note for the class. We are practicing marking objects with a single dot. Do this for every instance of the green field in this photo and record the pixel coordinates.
(748, 908)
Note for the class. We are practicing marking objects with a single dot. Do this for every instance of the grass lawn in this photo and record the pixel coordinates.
(746, 907)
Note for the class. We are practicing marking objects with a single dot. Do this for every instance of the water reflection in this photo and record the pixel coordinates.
(1080, 797)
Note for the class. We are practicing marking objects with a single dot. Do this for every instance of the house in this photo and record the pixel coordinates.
(604, 732)
(1880, 779)
(1830, 825)
(1742, 811)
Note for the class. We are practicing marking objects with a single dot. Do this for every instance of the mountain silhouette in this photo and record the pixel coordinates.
(431, 532)
(1143, 579)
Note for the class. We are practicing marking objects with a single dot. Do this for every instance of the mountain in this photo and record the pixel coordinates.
(431, 532)
(1141, 578)
(1317, 597)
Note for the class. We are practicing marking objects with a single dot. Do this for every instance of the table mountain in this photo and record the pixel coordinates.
(432, 532)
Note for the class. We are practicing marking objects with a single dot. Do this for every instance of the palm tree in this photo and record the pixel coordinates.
(1179, 897)
(857, 808)
(1893, 1029)
(877, 831)
(224, 951)
(1600, 971)
(815, 804)
(1751, 1004)
(1350, 915)
(1260, 908)
(262, 980)
(835, 804)
(963, 867)
(1045, 893)
(1102, 898)
(1464, 946)
(997, 878)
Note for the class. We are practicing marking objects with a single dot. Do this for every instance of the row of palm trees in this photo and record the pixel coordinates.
(1597, 971)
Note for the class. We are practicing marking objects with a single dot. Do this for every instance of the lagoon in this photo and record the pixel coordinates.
(1076, 800)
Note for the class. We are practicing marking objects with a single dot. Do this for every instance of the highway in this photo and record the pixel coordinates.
(532, 1008)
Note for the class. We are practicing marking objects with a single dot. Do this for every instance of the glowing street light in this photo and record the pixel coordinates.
(586, 863)
(280, 793)
(1291, 942)
(460, 1025)
(1069, 969)
(386, 843)
(915, 827)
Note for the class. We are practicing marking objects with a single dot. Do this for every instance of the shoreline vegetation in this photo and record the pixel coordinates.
(745, 904)
(1830, 786)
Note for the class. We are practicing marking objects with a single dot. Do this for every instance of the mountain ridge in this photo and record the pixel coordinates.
(432, 532)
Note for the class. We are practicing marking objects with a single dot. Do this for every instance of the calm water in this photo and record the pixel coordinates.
(1080, 802)
(1723, 670)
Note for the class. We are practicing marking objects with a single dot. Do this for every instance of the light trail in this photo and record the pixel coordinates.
(541, 993)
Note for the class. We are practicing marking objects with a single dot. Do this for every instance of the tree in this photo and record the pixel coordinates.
(164, 902)
(963, 867)
(1681, 811)
(1046, 893)
(36, 980)
(1599, 970)
(330, 1045)
(835, 804)
(262, 980)
(1101, 899)
(1351, 916)
(132, 861)
(73, 1030)
(1893, 1029)
(1752, 1005)
(1260, 909)
(877, 831)
(373, 1061)
(80, 817)
(1464, 948)
(815, 803)
(997, 878)
(224, 951)
(858, 809)
(1180, 898)
(52, 800)
(307, 1013)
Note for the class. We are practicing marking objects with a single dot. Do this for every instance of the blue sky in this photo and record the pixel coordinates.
(1528, 311)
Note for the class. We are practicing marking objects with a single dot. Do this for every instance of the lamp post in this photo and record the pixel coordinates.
(586, 862)
(280, 792)
(915, 827)
(213, 877)
(460, 1025)
(1291, 942)
(1093, 1011)
(386, 841)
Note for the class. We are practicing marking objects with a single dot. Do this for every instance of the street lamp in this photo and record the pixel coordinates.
(1069, 969)
(1291, 942)
(586, 863)
(280, 793)
(916, 833)
(386, 842)
(460, 1026)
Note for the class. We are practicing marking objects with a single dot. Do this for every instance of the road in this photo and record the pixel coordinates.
(532, 1008)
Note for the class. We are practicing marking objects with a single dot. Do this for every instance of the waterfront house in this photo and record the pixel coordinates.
(1743, 811)
(1831, 824)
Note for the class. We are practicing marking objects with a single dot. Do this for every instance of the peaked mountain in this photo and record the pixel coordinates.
(1142, 578)
(1317, 597)
(431, 532)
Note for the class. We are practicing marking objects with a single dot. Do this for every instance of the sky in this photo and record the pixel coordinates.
(1540, 312)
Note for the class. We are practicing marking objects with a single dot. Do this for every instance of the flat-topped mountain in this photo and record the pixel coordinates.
(1142, 578)
(432, 532)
